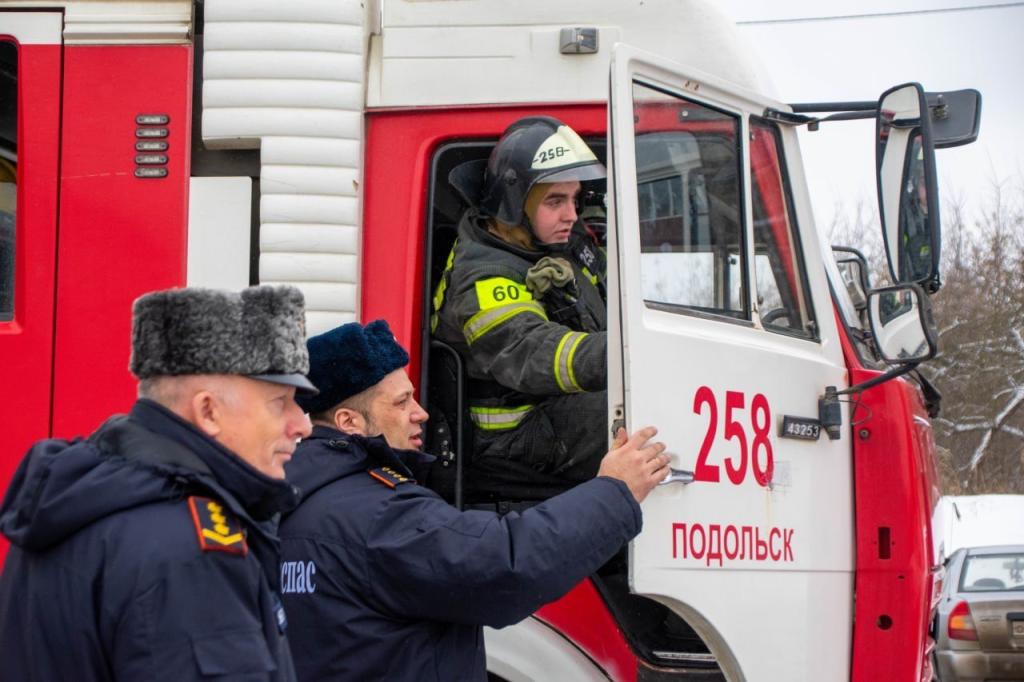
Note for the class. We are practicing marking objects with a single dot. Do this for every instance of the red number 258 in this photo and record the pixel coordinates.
(759, 454)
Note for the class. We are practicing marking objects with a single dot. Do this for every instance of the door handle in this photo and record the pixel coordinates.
(677, 476)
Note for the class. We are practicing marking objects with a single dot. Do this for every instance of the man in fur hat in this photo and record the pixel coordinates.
(384, 580)
(147, 551)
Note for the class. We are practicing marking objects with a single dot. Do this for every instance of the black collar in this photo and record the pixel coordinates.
(378, 452)
(259, 495)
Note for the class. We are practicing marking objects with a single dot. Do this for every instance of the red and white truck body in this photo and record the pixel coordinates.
(304, 143)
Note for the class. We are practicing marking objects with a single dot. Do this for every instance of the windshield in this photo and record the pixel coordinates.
(993, 573)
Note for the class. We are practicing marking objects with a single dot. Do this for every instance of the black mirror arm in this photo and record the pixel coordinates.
(829, 414)
(787, 118)
(932, 397)
(812, 122)
(880, 379)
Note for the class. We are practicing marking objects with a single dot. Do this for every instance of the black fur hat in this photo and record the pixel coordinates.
(258, 332)
(348, 360)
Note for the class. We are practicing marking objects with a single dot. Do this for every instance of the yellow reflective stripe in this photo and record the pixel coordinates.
(590, 276)
(564, 352)
(572, 353)
(499, 291)
(498, 418)
(442, 286)
(486, 320)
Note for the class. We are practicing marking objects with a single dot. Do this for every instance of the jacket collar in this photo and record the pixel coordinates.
(329, 454)
(479, 227)
(259, 495)
(376, 449)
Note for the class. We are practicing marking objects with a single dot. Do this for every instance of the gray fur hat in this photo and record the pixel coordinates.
(259, 332)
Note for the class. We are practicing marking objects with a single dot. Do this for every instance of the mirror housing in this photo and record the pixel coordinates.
(908, 199)
(902, 325)
(955, 116)
(853, 268)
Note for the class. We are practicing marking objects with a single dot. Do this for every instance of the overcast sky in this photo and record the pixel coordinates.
(812, 56)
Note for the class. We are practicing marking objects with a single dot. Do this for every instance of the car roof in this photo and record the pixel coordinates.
(995, 549)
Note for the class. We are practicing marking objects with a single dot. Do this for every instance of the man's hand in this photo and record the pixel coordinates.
(635, 462)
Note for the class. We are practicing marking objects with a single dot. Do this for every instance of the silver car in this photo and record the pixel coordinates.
(979, 626)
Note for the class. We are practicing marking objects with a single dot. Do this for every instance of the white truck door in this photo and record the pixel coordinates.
(726, 339)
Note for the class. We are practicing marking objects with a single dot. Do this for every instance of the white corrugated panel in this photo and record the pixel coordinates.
(317, 238)
(278, 63)
(313, 12)
(311, 180)
(308, 267)
(288, 77)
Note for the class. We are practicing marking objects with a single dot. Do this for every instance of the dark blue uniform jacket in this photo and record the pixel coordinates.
(384, 580)
(106, 577)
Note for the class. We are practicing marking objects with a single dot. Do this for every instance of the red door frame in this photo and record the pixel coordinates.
(26, 341)
(399, 148)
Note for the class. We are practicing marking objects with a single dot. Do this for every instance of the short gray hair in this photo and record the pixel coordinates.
(171, 391)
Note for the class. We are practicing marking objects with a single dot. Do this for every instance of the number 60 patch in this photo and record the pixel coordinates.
(496, 291)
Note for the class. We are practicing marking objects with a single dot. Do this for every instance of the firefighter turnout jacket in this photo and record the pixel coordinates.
(530, 324)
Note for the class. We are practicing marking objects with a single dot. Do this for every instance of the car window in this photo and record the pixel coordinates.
(993, 573)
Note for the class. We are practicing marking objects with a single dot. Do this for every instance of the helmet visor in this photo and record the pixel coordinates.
(587, 170)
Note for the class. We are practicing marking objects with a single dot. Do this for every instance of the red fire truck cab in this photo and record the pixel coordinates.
(153, 144)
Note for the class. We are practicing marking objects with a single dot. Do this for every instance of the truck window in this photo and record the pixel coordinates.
(691, 211)
(8, 173)
(783, 297)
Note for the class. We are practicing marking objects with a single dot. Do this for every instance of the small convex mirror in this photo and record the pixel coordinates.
(907, 188)
(901, 323)
(853, 268)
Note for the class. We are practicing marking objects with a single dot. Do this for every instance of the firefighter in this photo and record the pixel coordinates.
(147, 551)
(523, 301)
(384, 580)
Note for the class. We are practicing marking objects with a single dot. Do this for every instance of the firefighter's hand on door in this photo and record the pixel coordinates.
(636, 461)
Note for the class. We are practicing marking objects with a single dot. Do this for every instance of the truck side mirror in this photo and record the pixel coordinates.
(853, 268)
(908, 198)
(956, 117)
(901, 324)
(904, 333)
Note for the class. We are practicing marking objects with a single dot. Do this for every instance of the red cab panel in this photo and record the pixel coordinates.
(120, 235)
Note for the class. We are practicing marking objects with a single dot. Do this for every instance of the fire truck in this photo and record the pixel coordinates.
(147, 144)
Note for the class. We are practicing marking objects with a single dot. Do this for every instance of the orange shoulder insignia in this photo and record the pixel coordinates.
(216, 528)
(389, 476)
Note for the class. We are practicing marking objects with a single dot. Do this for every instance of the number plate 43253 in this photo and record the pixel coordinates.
(800, 428)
